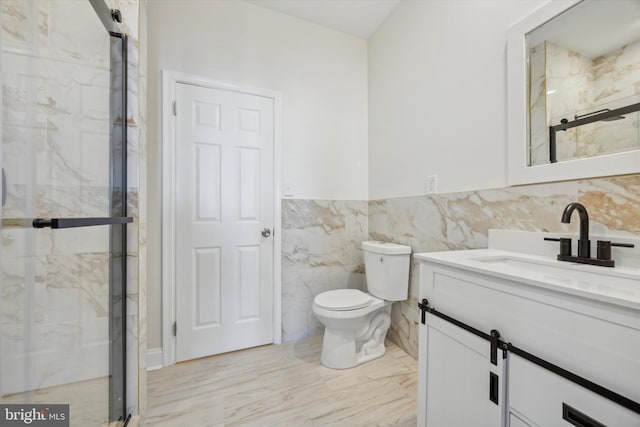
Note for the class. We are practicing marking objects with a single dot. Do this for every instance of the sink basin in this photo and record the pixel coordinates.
(602, 280)
(619, 285)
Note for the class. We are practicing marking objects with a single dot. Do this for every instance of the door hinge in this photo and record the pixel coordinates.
(175, 328)
(175, 108)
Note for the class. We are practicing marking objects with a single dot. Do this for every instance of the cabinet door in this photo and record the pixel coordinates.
(459, 376)
(549, 400)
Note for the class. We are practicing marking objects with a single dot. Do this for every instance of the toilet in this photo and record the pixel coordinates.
(355, 322)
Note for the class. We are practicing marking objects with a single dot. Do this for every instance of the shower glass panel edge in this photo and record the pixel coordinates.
(118, 238)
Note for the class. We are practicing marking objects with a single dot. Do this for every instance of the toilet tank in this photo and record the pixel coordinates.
(387, 270)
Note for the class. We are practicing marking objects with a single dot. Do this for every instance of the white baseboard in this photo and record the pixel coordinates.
(154, 359)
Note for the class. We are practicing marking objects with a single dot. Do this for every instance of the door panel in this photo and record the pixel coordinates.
(209, 194)
(224, 195)
(249, 280)
(208, 287)
(249, 183)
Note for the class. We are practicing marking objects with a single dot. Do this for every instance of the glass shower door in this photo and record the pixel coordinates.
(62, 329)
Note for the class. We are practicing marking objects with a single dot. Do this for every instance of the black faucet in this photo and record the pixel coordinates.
(584, 245)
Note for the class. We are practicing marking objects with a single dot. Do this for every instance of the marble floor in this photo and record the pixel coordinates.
(284, 385)
(88, 400)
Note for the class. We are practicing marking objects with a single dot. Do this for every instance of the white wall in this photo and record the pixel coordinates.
(321, 74)
(437, 96)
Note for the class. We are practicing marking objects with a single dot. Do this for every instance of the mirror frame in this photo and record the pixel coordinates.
(518, 171)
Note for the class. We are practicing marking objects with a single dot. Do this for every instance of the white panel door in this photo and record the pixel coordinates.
(224, 200)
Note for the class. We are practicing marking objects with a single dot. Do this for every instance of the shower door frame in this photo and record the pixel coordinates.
(111, 18)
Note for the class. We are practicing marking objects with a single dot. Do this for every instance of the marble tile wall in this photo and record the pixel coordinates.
(616, 84)
(321, 251)
(141, 7)
(565, 83)
(538, 105)
(569, 83)
(462, 220)
(569, 91)
(55, 137)
(56, 121)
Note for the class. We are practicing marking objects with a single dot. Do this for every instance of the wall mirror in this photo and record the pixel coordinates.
(574, 91)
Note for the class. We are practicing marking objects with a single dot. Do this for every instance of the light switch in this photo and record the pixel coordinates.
(287, 189)
(432, 184)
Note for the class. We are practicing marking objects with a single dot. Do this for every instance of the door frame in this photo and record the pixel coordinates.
(170, 79)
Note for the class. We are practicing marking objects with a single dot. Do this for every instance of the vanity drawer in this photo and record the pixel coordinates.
(547, 400)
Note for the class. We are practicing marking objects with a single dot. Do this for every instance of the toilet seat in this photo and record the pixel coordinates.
(343, 300)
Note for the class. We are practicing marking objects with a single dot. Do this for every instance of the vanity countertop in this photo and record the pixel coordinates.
(619, 285)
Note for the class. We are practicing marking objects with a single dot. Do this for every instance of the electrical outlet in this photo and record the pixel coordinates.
(432, 184)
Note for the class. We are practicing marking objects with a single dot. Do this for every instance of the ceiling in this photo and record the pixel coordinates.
(592, 27)
(357, 17)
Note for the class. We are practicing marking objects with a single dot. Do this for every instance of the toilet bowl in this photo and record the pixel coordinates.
(357, 322)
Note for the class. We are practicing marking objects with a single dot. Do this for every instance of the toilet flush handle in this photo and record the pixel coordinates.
(381, 259)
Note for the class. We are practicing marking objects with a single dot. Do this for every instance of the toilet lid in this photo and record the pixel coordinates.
(343, 299)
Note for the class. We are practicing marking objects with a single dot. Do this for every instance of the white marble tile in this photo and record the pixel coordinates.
(462, 220)
(25, 24)
(613, 203)
(321, 251)
(538, 105)
(414, 221)
(79, 39)
(301, 284)
(81, 240)
(616, 73)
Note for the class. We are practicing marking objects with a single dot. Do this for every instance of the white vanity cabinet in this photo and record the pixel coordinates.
(596, 339)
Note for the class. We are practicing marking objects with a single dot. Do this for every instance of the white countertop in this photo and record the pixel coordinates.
(619, 285)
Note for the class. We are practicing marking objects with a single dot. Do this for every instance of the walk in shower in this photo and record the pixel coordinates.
(64, 208)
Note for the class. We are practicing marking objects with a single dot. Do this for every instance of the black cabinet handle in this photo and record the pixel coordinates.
(578, 418)
(493, 387)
